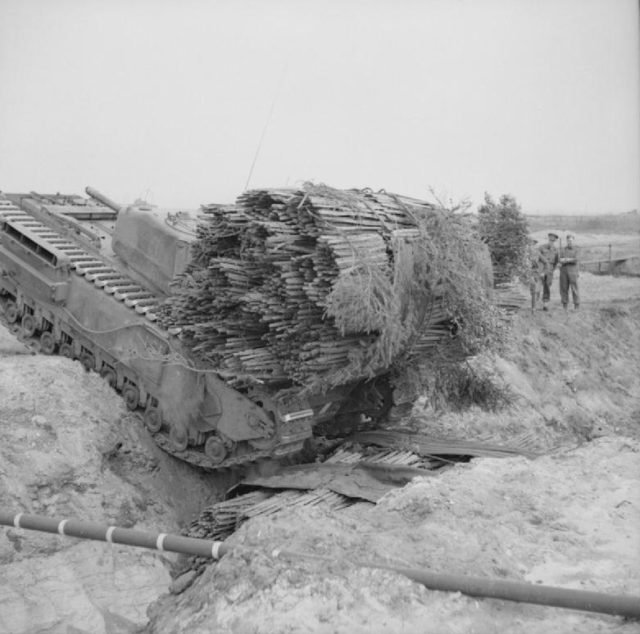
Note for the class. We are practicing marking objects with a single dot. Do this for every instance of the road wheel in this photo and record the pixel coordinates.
(109, 376)
(179, 437)
(215, 450)
(153, 419)
(47, 343)
(66, 350)
(88, 362)
(131, 396)
(28, 325)
(11, 312)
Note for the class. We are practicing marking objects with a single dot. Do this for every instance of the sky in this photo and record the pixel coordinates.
(189, 102)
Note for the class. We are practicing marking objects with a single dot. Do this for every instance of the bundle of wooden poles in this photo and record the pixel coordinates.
(254, 300)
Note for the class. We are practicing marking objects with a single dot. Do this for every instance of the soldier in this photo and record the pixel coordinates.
(535, 273)
(549, 259)
(569, 273)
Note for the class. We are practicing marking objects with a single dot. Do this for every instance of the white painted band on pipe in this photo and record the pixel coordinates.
(61, 526)
(109, 534)
(215, 550)
(160, 541)
(16, 520)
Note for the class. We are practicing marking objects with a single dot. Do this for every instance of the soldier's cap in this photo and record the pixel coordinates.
(553, 236)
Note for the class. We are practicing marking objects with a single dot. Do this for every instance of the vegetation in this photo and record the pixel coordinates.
(504, 229)
(439, 283)
(459, 385)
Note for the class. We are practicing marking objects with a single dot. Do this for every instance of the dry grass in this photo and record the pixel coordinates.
(605, 288)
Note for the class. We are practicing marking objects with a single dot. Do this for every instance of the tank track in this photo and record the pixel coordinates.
(199, 459)
(193, 456)
(97, 271)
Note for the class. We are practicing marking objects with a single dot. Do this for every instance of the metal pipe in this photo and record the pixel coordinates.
(101, 198)
(519, 591)
(484, 587)
(116, 535)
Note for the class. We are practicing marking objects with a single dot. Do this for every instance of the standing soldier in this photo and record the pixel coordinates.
(549, 259)
(569, 273)
(535, 273)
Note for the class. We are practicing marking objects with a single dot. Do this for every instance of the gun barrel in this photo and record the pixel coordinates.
(95, 194)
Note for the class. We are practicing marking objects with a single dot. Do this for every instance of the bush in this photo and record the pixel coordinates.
(458, 386)
(504, 229)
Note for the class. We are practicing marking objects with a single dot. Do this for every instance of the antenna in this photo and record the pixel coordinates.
(266, 125)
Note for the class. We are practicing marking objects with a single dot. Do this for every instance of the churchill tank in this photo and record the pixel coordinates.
(86, 278)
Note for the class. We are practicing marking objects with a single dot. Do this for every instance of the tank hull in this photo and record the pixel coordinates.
(81, 302)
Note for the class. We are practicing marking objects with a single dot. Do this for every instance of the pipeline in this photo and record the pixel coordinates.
(483, 587)
(116, 535)
(486, 587)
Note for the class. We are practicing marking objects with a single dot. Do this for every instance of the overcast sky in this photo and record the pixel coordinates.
(172, 100)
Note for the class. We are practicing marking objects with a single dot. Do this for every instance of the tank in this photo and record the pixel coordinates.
(86, 278)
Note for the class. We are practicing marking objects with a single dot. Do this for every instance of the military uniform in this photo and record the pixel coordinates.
(549, 260)
(535, 275)
(569, 275)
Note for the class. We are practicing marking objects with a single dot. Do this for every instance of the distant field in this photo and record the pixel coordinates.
(601, 248)
(598, 237)
(595, 242)
(627, 223)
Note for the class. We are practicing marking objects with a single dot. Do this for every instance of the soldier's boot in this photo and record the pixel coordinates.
(564, 305)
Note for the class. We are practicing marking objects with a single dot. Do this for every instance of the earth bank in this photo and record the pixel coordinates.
(550, 520)
(569, 518)
(70, 449)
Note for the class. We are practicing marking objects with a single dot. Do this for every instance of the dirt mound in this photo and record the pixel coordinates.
(69, 448)
(567, 519)
(572, 375)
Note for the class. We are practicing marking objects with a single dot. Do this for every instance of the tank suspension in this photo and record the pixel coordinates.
(116, 535)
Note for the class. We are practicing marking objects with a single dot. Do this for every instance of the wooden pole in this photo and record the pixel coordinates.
(610, 261)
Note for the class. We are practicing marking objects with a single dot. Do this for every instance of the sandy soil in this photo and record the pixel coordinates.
(568, 518)
(70, 449)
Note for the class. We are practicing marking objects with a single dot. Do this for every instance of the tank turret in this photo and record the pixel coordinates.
(152, 243)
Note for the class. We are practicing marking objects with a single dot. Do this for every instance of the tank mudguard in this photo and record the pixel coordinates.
(30, 280)
(199, 400)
